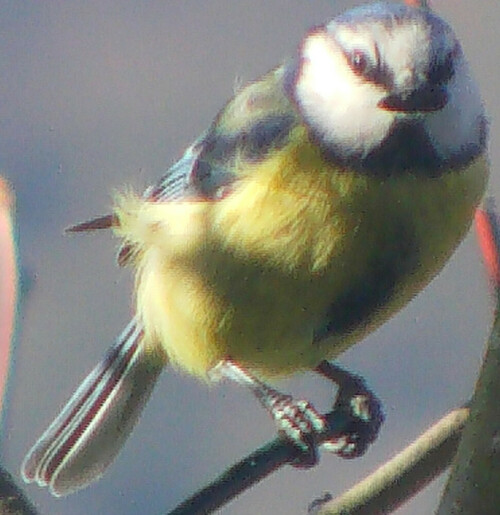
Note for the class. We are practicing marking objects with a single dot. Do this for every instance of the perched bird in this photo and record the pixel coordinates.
(324, 196)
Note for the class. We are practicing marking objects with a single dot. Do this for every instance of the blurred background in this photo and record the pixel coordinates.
(98, 95)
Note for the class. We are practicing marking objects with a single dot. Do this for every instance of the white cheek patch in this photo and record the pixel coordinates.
(320, 68)
(337, 104)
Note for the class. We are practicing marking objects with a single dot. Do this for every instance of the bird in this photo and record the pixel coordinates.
(323, 197)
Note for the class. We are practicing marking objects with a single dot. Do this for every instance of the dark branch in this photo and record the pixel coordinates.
(251, 470)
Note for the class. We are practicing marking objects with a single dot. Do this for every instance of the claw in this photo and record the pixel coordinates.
(296, 420)
(356, 400)
(302, 424)
(299, 421)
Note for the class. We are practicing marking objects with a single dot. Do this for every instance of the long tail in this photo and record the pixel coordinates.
(89, 432)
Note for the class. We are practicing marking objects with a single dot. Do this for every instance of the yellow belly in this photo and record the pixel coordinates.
(292, 268)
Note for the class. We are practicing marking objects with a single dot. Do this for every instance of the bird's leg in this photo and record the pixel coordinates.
(360, 403)
(298, 420)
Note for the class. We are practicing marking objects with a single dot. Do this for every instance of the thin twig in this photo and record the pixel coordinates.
(251, 470)
(8, 282)
(12, 498)
(475, 476)
(405, 474)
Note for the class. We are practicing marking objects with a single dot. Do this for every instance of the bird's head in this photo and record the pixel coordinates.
(386, 87)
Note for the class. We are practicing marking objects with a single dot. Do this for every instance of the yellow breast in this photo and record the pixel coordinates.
(298, 251)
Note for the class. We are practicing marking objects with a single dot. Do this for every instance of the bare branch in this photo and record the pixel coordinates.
(8, 282)
(12, 499)
(251, 470)
(405, 474)
(475, 474)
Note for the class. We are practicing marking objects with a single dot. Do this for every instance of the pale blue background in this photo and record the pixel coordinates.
(95, 95)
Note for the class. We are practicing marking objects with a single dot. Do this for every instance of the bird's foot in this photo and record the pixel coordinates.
(296, 420)
(303, 425)
(364, 410)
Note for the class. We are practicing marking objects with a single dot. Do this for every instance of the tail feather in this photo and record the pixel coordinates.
(89, 432)
(100, 222)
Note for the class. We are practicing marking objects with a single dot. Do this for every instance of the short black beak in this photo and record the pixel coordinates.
(423, 100)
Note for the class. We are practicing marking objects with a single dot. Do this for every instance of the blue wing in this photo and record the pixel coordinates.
(176, 183)
(88, 433)
(257, 121)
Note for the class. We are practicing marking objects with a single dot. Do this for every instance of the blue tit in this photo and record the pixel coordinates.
(324, 196)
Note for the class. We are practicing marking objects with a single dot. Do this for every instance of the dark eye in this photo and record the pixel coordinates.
(358, 62)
